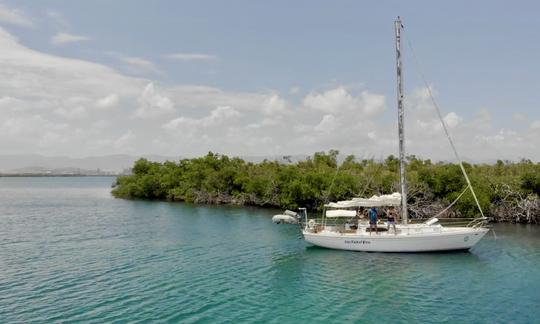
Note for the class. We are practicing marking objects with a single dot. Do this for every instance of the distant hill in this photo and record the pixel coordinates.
(118, 163)
(34, 163)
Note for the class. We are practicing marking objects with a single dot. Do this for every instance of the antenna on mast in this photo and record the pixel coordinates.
(402, 175)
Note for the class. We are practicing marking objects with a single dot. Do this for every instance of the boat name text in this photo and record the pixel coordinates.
(357, 242)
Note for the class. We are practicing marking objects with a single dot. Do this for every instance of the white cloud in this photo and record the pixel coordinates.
(11, 103)
(65, 38)
(71, 113)
(339, 100)
(101, 124)
(330, 101)
(218, 116)
(107, 102)
(56, 105)
(191, 57)
(452, 120)
(124, 140)
(14, 17)
(221, 114)
(22, 130)
(372, 104)
(327, 124)
(274, 105)
(153, 104)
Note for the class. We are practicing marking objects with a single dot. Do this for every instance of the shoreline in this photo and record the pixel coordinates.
(491, 220)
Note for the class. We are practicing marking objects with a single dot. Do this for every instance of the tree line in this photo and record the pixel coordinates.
(507, 191)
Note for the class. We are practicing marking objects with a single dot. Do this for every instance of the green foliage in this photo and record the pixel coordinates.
(530, 181)
(219, 179)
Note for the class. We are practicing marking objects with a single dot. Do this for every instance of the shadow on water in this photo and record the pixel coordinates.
(463, 251)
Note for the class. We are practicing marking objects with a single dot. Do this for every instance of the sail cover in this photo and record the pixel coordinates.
(375, 201)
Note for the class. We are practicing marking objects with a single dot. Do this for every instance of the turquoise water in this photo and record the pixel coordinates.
(70, 252)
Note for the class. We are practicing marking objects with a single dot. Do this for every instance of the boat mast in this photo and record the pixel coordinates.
(402, 176)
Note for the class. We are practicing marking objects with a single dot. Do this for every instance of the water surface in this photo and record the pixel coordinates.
(71, 252)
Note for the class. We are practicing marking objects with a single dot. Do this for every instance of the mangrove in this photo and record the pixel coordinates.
(506, 190)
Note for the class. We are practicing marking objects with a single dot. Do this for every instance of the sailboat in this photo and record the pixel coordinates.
(341, 226)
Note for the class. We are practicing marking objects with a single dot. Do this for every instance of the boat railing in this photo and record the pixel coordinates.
(455, 221)
(333, 224)
(340, 224)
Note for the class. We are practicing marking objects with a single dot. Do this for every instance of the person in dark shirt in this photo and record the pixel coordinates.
(373, 220)
(392, 215)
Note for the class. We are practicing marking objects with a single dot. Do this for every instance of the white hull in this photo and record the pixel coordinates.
(425, 239)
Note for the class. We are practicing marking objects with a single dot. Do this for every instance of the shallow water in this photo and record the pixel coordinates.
(71, 252)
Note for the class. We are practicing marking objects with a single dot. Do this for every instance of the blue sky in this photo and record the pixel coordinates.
(480, 58)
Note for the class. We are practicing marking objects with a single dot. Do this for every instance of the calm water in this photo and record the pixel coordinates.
(70, 252)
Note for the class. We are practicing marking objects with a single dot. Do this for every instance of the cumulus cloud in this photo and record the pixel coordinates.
(274, 105)
(107, 102)
(218, 116)
(65, 38)
(328, 123)
(57, 105)
(14, 17)
(452, 120)
(153, 104)
(340, 100)
(330, 101)
(191, 57)
(47, 97)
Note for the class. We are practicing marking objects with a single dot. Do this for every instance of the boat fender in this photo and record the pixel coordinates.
(432, 221)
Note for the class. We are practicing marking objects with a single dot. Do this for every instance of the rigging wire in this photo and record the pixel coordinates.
(331, 184)
(452, 204)
(419, 71)
(330, 189)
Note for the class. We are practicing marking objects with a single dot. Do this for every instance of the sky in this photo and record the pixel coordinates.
(254, 78)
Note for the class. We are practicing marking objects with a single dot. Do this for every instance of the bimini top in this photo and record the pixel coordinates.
(375, 201)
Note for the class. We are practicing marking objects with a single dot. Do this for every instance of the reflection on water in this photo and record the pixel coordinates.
(70, 252)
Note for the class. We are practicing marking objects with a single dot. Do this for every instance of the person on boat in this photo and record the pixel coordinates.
(391, 214)
(373, 220)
